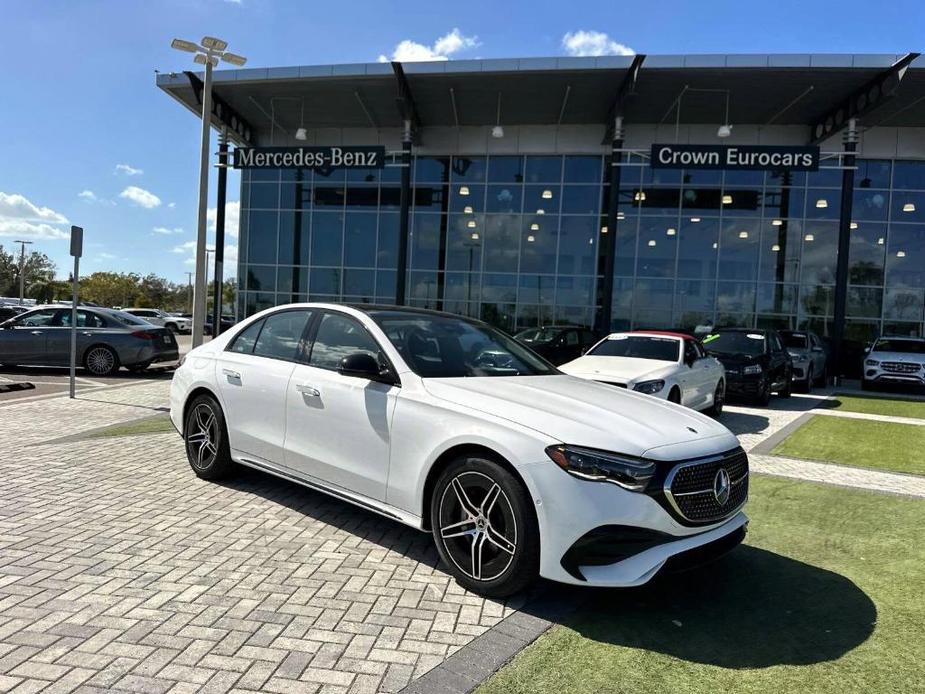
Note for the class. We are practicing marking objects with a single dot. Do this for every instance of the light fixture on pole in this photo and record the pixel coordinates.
(725, 130)
(302, 133)
(208, 53)
(497, 132)
(22, 268)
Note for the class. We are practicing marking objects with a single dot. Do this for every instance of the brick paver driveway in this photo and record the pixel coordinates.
(119, 570)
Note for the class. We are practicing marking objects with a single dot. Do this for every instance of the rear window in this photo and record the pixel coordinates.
(795, 340)
(898, 345)
(126, 318)
(639, 347)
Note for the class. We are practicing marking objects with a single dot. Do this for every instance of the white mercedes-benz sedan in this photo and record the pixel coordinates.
(667, 365)
(450, 426)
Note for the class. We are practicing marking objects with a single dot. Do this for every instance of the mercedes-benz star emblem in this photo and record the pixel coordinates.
(721, 486)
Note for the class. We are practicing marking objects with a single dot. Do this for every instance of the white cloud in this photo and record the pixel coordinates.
(18, 228)
(229, 264)
(442, 49)
(87, 195)
(140, 197)
(232, 213)
(591, 43)
(166, 231)
(16, 206)
(107, 256)
(128, 170)
(171, 205)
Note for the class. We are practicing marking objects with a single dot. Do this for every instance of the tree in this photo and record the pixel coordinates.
(110, 288)
(48, 289)
(37, 268)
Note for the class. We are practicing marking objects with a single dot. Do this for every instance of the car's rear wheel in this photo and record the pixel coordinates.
(172, 327)
(810, 380)
(787, 390)
(485, 527)
(101, 361)
(206, 436)
(763, 397)
(719, 399)
(138, 368)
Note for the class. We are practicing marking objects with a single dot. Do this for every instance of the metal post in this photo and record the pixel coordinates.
(74, 291)
(220, 234)
(403, 214)
(609, 241)
(844, 247)
(200, 289)
(189, 291)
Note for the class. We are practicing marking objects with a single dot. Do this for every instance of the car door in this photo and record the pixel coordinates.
(779, 359)
(339, 428)
(689, 376)
(90, 328)
(23, 340)
(253, 375)
(817, 355)
(710, 371)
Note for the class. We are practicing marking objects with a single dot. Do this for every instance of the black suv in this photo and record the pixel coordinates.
(756, 362)
(557, 343)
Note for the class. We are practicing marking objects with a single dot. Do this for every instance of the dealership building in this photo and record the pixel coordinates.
(779, 191)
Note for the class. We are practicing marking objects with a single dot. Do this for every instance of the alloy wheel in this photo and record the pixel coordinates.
(719, 398)
(477, 526)
(202, 436)
(100, 360)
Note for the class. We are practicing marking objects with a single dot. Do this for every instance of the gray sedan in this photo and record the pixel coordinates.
(810, 358)
(106, 340)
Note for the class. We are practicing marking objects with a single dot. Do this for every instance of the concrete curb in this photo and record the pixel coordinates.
(13, 387)
(771, 442)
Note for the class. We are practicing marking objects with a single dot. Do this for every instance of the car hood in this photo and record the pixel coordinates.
(618, 368)
(586, 413)
(898, 356)
(736, 359)
(798, 351)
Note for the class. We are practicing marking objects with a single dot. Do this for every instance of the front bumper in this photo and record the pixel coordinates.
(737, 384)
(569, 510)
(878, 375)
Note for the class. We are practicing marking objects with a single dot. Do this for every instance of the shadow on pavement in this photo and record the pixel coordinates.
(750, 609)
(744, 422)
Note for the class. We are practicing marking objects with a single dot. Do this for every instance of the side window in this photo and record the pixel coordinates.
(690, 351)
(245, 341)
(338, 336)
(587, 338)
(775, 343)
(571, 338)
(282, 335)
(36, 319)
(698, 349)
(85, 319)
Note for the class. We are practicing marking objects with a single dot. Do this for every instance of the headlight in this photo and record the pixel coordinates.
(872, 362)
(753, 369)
(649, 387)
(799, 357)
(602, 466)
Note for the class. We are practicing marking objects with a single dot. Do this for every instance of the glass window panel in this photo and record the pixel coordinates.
(281, 336)
(499, 315)
(261, 238)
(705, 201)
(577, 247)
(652, 303)
(362, 197)
(574, 291)
(738, 249)
(695, 302)
(905, 259)
(867, 253)
(327, 238)
(583, 169)
(468, 169)
(462, 286)
(264, 196)
(697, 177)
(422, 289)
(389, 197)
(871, 205)
(361, 283)
(908, 207)
(820, 252)
(261, 278)
(656, 200)
(820, 326)
(575, 315)
(323, 280)
(817, 300)
(425, 241)
(258, 301)
(505, 169)
(296, 195)
(822, 204)
(625, 261)
(539, 255)
(360, 240)
(783, 203)
(385, 286)
(653, 177)
(466, 198)
(698, 248)
(824, 178)
(329, 176)
(547, 198)
(777, 298)
(775, 322)
(387, 250)
(910, 329)
(503, 199)
(532, 316)
(864, 302)
(328, 195)
(290, 236)
(284, 278)
(744, 202)
(581, 199)
(658, 246)
(873, 173)
(537, 289)
(744, 179)
(244, 342)
(431, 169)
(462, 251)
(499, 288)
(785, 179)
(264, 174)
(390, 174)
(363, 176)
(430, 198)
(502, 242)
(734, 298)
(544, 170)
(339, 336)
(909, 175)
(903, 304)
(781, 245)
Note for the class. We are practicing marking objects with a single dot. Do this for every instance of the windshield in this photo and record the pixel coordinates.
(639, 347)
(537, 335)
(794, 340)
(897, 345)
(126, 318)
(448, 347)
(749, 344)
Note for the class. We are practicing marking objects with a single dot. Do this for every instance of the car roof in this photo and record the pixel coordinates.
(911, 338)
(660, 333)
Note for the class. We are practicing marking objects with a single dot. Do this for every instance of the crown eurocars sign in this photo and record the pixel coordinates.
(309, 157)
(742, 157)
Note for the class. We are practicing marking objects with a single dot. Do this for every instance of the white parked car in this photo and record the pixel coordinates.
(163, 319)
(450, 426)
(895, 360)
(671, 366)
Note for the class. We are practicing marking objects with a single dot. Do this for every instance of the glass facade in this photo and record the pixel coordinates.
(515, 241)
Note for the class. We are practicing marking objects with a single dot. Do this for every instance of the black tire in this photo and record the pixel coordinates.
(675, 396)
(459, 520)
(810, 380)
(101, 360)
(866, 385)
(138, 368)
(787, 390)
(172, 327)
(719, 400)
(763, 398)
(205, 435)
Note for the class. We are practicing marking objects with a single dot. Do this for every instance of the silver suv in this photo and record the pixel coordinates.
(155, 316)
(896, 360)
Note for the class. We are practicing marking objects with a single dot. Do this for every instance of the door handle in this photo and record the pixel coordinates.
(231, 374)
(37, 332)
(306, 389)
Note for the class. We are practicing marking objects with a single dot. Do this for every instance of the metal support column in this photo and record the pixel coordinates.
(609, 240)
(201, 288)
(220, 233)
(403, 215)
(844, 247)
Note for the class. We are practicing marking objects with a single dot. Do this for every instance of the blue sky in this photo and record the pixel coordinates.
(89, 140)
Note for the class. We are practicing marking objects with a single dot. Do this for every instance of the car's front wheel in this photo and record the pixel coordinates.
(206, 436)
(719, 399)
(485, 527)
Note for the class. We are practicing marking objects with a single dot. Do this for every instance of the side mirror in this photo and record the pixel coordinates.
(363, 365)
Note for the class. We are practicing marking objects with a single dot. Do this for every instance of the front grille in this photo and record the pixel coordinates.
(690, 487)
(899, 367)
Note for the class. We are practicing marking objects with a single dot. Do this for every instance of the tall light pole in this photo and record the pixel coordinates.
(207, 52)
(22, 268)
